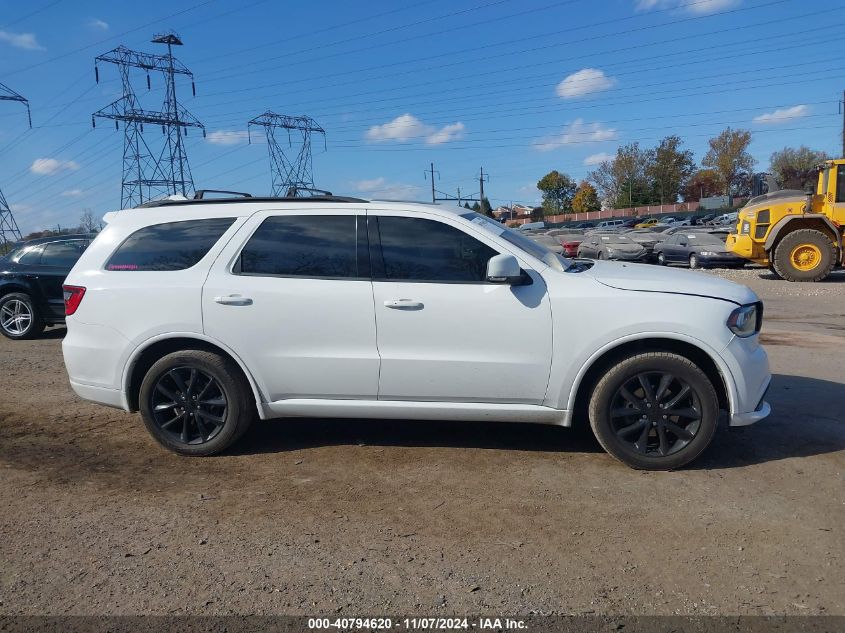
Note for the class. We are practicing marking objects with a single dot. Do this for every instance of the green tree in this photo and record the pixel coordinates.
(558, 190)
(485, 208)
(669, 170)
(586, 198)
(623, 181)
(796, 168)
(476, 207)
(701, 184)
(728, 156)
(466, 205)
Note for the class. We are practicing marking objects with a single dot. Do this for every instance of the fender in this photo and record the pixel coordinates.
(781, 224)
(133, 358)
(724, 370)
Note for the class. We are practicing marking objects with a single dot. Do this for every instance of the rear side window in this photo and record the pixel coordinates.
(840, 183)
(304, 246)
(416, 249)
(62, 254)
(169, 246)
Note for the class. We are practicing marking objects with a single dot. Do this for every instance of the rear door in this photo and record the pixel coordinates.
(440, 323)
(57, 258)
(291, 294)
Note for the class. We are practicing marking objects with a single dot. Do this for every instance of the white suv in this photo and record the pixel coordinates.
(202, 314)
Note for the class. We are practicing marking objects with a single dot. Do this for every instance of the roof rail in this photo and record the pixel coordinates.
(199, 194)
(270, 199)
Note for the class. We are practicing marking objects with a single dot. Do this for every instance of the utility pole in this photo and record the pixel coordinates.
(147, 174)
(481, 178)
(9, 231)
(438, 196)
(842, 107)
(292, 176)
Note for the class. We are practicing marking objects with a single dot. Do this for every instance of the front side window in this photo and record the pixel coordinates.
(62, 254)
(840, 183)
(417, 249)
(169, 246)
(303, 246)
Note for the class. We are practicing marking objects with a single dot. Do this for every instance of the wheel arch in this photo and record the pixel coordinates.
(791, 223)
(602, 360)
(154, 349)
(15, 286)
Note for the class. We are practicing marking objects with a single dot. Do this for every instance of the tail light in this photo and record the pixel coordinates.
(73, 297)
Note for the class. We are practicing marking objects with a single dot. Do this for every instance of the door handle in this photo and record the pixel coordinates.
(406, 304)
(233, 300)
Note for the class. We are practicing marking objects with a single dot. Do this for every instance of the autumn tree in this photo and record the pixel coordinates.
(728, 156)
(669, 170)
(796, 168)
(701, 184)
(586, 198)
(623, 181)
(558, 190)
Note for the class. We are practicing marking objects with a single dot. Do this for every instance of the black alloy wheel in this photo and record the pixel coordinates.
(189, 405)
(655, 413)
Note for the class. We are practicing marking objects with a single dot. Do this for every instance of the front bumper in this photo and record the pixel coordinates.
(721, 260)
(744, 419)
(744, 247)
(749, 367)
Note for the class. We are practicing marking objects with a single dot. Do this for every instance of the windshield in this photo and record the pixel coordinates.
(705, 238)
(535, 249)
(616, 239)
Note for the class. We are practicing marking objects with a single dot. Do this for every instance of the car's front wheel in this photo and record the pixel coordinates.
(654, 411)
(19, 318)
(661, 258)
(196, 402)
(693, 261)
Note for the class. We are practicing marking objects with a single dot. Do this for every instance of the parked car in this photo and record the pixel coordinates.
(531, 226)
(548, 241)
(612, 246)
(607, 224)
(31, 277)
(706, 218)
(646, 223)
(205, 315)
(630, 223)
(584, 225)
(697, 249)
(726, 219)
(646, 238)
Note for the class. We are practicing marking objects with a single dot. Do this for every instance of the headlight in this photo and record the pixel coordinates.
(746, 320)
(611, 251)
(745, 229)
(708, 253)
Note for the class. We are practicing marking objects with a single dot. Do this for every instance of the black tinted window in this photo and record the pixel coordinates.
(62, 254)
(303, 246)
(31, 255)
(840, 183)
(169, 246)
(425, 250)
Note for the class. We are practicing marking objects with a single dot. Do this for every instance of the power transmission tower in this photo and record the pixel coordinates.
(148, 174)
(291, 175)
(441, 196)
(9, 231)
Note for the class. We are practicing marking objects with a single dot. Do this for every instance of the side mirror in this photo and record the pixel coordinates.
(504, 269)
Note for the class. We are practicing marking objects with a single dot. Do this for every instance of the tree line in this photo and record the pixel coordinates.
(668, 173)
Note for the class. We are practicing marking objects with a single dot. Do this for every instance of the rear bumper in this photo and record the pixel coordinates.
(100, 395)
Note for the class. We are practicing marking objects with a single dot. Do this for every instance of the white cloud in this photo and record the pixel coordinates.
(72, 193)
(445, 134)
(227, 137)
(50, 166)
(782, 116)
(25, 41)
(381, 188)
(597, 159)
(585, 81)
(576, 133)
(697, 7)
(99, 24)
(407, 127)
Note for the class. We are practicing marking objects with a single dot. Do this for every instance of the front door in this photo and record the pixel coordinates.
(291, 294)
(445, 334)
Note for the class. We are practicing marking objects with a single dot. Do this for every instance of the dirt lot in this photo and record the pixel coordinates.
(317, 517)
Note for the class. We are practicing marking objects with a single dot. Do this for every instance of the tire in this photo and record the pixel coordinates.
(600, 255)
(804, 255)
(661, 258)
(220, 413)
(773, 271)
(693, 261)
(19, 318)
(646, 438)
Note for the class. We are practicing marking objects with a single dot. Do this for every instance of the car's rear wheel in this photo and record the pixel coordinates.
(654, 411)
(661, 258)
(196, 402)
(19, 318)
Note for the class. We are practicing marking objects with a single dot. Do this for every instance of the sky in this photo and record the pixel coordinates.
(518, 87)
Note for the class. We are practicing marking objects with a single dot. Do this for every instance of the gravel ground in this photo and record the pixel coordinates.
(363, 517)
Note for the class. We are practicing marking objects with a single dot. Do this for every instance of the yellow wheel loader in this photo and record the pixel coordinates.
(797, 234)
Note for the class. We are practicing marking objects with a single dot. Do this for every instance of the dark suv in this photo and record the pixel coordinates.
(31, 277)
